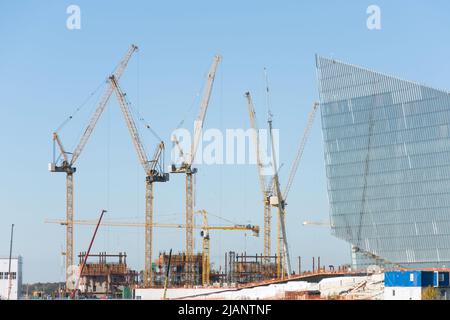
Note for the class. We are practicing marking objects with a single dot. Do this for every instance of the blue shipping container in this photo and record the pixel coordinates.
(441, 279)
(409, 278)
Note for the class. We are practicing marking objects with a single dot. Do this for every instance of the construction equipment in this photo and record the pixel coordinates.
(282, 247)
(266, 189)
(280, 202)
(67, 165)
(204, 227)
(111, 223)
(186, 168)
(277, 198)
(206, 242)
(166, 281)
(154, 173)
(74, 291)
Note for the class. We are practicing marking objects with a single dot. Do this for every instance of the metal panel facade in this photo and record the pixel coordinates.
(387, 158)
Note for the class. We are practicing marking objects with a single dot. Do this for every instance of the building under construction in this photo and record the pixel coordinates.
(186, 269)
(239, 269)
(106, 278)
(243, 268)
(177, 273)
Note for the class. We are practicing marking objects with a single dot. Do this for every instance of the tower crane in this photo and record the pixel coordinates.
(274, 197)
(154, 173)
(186, 168)
(204, 227)
(112, 223)
(67, 165)
(206, 242)
(280, 202)
(266, 189)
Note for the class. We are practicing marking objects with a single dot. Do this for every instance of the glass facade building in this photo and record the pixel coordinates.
(387, 159)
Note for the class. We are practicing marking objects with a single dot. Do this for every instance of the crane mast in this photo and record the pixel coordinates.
(262, 181)
(186, 168)
(283, 249)
(206, 242)
(282, 246)
(67, 165)
(152, 175)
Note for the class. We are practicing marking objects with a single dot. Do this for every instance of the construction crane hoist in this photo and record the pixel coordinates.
(154, 173)
(266, 188)
(272, 195)
(67, 166)
(186, 168)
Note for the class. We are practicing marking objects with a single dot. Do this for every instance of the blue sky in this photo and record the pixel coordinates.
(46, 71)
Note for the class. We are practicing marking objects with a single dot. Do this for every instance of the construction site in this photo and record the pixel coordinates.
(267, 274)
(186, 269)
(225, 151)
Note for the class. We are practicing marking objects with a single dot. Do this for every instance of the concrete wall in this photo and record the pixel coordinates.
(271, 291)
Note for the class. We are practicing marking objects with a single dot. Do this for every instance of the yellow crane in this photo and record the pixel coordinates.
(186, 168)
(205, 227)
(67, 165)
(154, 173)
(112, 223)
(265, 188)
(206, 242)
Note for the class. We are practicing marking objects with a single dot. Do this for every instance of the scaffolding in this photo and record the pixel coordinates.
(178, 275)
(105, 277)
(243, 268)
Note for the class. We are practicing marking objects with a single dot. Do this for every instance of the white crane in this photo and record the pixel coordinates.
(186, 168)
(274, 197)
(154, 173)
(265, 187)
(67, 165)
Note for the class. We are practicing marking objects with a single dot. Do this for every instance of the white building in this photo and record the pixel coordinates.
(13, 285)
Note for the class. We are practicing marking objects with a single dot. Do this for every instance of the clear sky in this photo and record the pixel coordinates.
(47, 70)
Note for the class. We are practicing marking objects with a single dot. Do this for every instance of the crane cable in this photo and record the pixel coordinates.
(85, 101)
(138, 115)
(78, 109)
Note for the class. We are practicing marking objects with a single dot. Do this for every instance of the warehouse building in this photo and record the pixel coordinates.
(387, 158)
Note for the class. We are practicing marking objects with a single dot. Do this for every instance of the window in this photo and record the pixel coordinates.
(6, 275)
(14, 275)
(393, 293)
(411, 277)
(1, 275)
